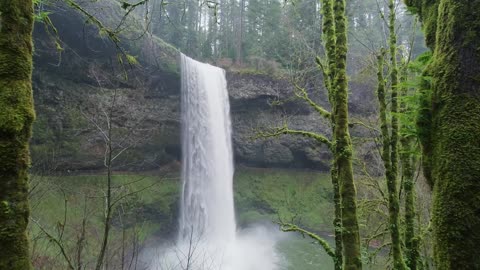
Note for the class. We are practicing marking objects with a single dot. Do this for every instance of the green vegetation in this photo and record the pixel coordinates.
(452, 32)
(147, 190)
(80, 221)
(261, 195)
(408, 152)
(303, 255)
(68, 208)
(274, 194)
(347, 253)
(390, 137)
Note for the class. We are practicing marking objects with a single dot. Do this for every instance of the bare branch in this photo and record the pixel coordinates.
(57, 242)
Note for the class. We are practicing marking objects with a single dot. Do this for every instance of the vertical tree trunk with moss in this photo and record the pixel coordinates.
(16, 117)
(343, 146)
(453, 33)
(408, 161)
(411, 242)
(392, 168)
(391, 175)
(329, 37)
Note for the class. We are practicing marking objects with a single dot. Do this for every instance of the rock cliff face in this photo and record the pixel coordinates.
(81, 90)
(252, 97)
(68, 133)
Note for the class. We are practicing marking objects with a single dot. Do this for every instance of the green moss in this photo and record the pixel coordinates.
(408, 160)
(424, 125)
(343, 145)
(390, 153)
(453, 145)
(328, 31)
(16, 117)
(455, 168)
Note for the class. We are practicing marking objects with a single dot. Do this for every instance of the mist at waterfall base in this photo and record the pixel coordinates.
(208, 238)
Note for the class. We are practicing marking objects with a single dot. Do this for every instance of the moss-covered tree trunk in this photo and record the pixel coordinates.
(408, 161)
(347, 253)
(411, 242)
(343, 146)
(452, 143)
(329, 37)
(391, 164)
(16, 117)
(391, 174)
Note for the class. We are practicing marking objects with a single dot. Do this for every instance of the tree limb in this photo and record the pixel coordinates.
(57, 242)
(302, 94)
(276, 132)
(288, 227)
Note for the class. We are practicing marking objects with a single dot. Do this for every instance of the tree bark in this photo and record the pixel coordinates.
(392, 168)
(408, 161)
(240, 31)
(451, 142)
(411, 242)
(343, 146)
(16, 118)
(329, 37)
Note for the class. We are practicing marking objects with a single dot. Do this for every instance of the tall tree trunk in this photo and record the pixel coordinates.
(337, 221)
(329, 37)
(343, 146)
(156, 17)
(240, 30)
(16, 117)
(452, 143)
(411, 242)
(102, 257)
(392, 168)
(408, 160)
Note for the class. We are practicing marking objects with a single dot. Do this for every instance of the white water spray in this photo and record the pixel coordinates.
(207, 238)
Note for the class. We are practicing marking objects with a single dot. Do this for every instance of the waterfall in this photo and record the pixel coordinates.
(208, 238)
(207, 211)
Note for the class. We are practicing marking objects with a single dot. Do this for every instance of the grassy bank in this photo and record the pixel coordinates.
(273, 194)
(66, 209)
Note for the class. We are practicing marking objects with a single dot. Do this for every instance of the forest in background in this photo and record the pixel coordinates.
(253, 32)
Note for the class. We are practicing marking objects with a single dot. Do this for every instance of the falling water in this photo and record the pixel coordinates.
(207, 238)
(207, 212)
